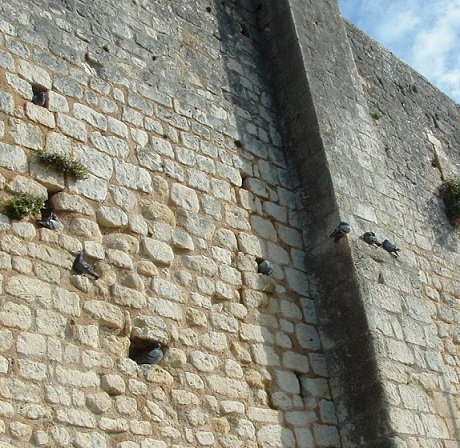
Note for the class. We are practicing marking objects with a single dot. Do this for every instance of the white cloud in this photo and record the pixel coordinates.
(425, 34)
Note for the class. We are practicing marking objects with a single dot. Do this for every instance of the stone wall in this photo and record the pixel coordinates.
(168, 106)
(217, 134)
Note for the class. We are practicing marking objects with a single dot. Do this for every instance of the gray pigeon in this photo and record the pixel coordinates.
(50, 222)
(82, 267)
(390, 247)
(340, 231)
(264, 267)
(39, 99)
(153, 356)
(370, 238)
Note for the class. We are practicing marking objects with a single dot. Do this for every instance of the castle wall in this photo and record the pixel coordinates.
(168, 106)
(216, 134)
(373, 141)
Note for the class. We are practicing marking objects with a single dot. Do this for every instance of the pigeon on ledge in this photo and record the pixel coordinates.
(390, 247)
(265, 266)
(50, 222)
(82, 267)
(39, 99)
(153, 356)
(340, 231)
(370, 238)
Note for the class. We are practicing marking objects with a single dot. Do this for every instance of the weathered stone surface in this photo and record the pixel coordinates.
(158, 251)
(13, 158)
(128, 297)
(85, 228)
(111, 217)
(71, 203)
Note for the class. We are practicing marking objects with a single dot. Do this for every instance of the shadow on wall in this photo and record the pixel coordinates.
(264, 169)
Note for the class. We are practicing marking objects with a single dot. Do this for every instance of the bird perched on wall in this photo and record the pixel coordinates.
(264, 267)
(370, 238)
(390, 247)
(49, 220)
(340, 231)
(154, 356)
(82, 267)
(39, 99)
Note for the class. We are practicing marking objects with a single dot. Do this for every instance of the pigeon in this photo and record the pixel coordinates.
(390, 247)
(50, 222)
(340, 231)
(265, 266)
(39, 99)
(370, 238)
(153, 356)
(82, 267)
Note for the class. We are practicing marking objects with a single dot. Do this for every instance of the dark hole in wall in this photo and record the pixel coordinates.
(139, 348)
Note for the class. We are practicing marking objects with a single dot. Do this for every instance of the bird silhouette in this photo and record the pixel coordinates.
(49, 220)
(39, 99)
(264, 267)
(340, 231)
(370, 238)
(82, 267)
(154, 356)
(390, 247)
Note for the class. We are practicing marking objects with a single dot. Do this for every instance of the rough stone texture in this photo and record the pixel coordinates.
(197, 166)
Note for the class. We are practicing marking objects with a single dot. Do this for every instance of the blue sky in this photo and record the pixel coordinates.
(423, 33)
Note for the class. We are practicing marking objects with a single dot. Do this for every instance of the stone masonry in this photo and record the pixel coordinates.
(215, 134)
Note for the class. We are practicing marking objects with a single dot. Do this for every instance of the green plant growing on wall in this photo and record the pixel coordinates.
(63, 164)
(23, 205)
(450, 193)
(376, 115)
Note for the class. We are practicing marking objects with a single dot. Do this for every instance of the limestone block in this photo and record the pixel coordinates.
(231, 441)
(85, 228)
(5, 261)
(113, 384)
(231, 407)
(228, 387)
(184, 398)
(205, 438)
(22, 185)
(113, 146)
(20, 430)
(157, 251)
(89, 115)
(165, 308)
(111, 217)
(119, 259)
(158, 375)
(6, 409)
(71, 203)
(67, 302)
(126, 405)
(222, 322)
(41, 438)
(112, 425)
(13, 158)
(137, 387)
(176, 358)
(76, 417)
(154, 411)
(151, 328)
(196, 225)
(89, 440)
(123, 197)
(204, 362)
(201, 264)
(230, 275)
(214, 341)
(137, 224)
(227, 239)
(142, 428)
(196, 317)
(326, 435)
(91, 187)
(192, 380)
(275, 436)
(290, 236)
(27, 135)
(149, 159)
(240, 353)
(182, 240)
(256, 186)
(132, 176)
(233, 369)
(6, 341)
(72, 127)
(184, 197)
(76, 378)
(237, 310)
(40, 115)
(16, 316)
(99, 402)
(34, 74)
(51, 323)
(297, 281)
(13, 245)
(168, 290)
(128, 297)
(158, 212)
(265, 355)
(245, 429)
(236, 217)
(32, 370)
(223, 291)
(307, 336)
(108, 314)
(57, 102)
